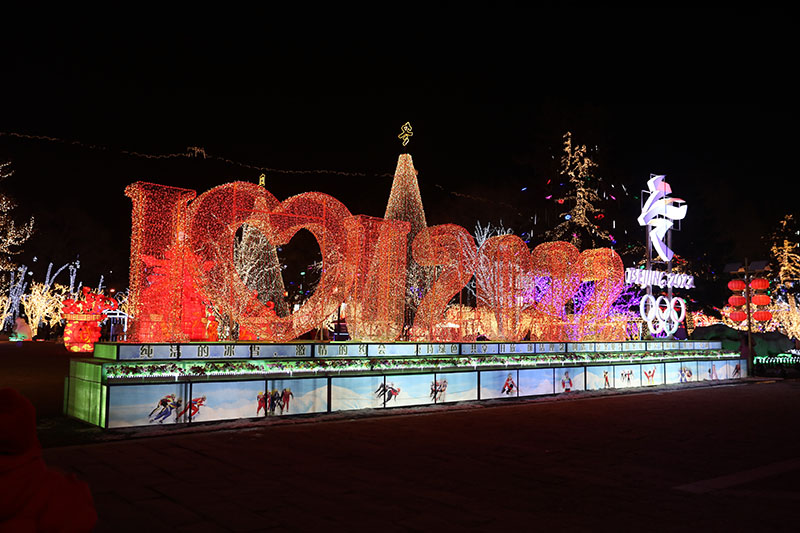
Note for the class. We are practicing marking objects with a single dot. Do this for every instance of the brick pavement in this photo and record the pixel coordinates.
(608, 462)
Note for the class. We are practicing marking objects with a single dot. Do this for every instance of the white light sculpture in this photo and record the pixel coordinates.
(659, 213)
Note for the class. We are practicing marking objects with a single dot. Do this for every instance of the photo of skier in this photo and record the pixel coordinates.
(194, 405)
(509, 386)
(649, 375)
(606, 384)
(737, 371)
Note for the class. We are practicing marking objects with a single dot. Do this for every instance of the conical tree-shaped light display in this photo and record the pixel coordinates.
(405, 204)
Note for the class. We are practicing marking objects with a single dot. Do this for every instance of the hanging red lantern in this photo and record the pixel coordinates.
(736, 285)
(760, 299)
(762, 316)
(738, 316)
(759, 284)
(736, 301)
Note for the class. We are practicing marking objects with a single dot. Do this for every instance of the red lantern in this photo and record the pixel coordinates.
(736, 285)
(736, 301)
(762, 316)
(759, 284)
(759, 299)
(738, 316)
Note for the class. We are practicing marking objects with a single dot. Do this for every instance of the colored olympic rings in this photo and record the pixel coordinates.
(660, 319)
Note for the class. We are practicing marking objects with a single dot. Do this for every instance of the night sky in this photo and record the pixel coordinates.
(699, 95)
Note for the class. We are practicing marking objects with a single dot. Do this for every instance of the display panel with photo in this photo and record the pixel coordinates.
(599, 377)
(652, 374)
(456, 386)
(143, 405)
(296, 396)
(627, 376)
(710, 370)
(408, 389)
(570, 379)
(680, 371)
(361, 392)
(498, 384)
(224, 400)
(536, 381)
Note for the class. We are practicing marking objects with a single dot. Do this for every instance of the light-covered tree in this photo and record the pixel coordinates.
(12, 235)
(577, 224)
(42, 304)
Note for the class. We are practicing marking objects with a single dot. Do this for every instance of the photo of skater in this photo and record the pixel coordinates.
(193, 406)
(387, 392)
(286, 395)
(162, 404)
(262, 403)
(650, 375)
(438, 390)
(172, 406)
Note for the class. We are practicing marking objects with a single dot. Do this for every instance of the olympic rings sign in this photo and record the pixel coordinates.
(660, 313)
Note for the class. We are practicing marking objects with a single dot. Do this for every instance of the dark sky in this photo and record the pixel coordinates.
(702, 96)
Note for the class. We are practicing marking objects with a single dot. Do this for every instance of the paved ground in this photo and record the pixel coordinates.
(704, 458)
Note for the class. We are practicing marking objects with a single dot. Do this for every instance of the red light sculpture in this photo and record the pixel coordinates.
(83, 318)
(559, 264)
(449, 247)
(376, 303)
(509, 263)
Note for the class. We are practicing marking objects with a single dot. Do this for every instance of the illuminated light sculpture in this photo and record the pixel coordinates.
(376, 303)
(158, 215)
(603, 267)
(659, 213)
(449, 247)
(510, 265)
(405, 204)
(661, 314)
(184, 262)
(557, 265)
(83, 318)
(216, 216)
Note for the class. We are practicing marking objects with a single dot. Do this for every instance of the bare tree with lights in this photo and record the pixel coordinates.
(11, 235)
(577, 227)
(258, 267)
